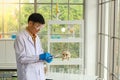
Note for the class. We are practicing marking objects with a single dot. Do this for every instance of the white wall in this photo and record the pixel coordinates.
(90, 36)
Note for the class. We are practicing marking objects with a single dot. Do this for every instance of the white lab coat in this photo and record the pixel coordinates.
(29, 67)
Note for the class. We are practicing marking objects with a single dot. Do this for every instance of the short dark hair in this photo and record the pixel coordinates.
(36, 17)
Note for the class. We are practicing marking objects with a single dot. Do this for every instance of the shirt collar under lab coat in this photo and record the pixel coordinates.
(29, 36)
(32, 35)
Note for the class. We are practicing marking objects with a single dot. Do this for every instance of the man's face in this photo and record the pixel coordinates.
(35, 27)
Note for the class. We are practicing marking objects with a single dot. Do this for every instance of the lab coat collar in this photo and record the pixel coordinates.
(29, 37)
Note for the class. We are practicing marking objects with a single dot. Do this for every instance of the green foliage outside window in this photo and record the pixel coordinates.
(25, 11)
(0, 18)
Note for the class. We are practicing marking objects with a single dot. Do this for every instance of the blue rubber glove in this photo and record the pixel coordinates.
(46, 57)
(49, 59)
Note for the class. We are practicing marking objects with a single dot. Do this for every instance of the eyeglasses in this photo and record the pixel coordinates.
(38, 26)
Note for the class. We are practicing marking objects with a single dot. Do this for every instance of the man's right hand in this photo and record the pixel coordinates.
(46, 57)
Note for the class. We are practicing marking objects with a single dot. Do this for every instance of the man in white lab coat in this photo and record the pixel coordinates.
(30, 57)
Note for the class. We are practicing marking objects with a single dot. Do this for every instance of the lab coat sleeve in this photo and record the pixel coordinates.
(21, 56)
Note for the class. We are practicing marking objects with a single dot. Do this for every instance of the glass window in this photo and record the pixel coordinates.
(11, 18)
(117, 21)
(26, 1)
(117, 41)
(76, 1)
(76, 12)
(1, 18)
(45, 10)
(109, 37)
(1, 1)
(11, 1)
(117, 58)
(25, 11)
(20, 12)
(60, 1)
(43, 1)
(60, 12)
(118, 16)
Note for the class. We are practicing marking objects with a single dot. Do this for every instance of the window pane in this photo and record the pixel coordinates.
(1, 1)
(11, 18)
(27, 1)
(26, 10)
(44, 1)
(76, 12)
(0, 19)
(11, 1)
(60, 1)
(62, 12)
(118, 54)
(106, 18)
(117, 23)
(117, 58)
(117, 41)
(76, 1)
(105, 45)
(45, 10)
